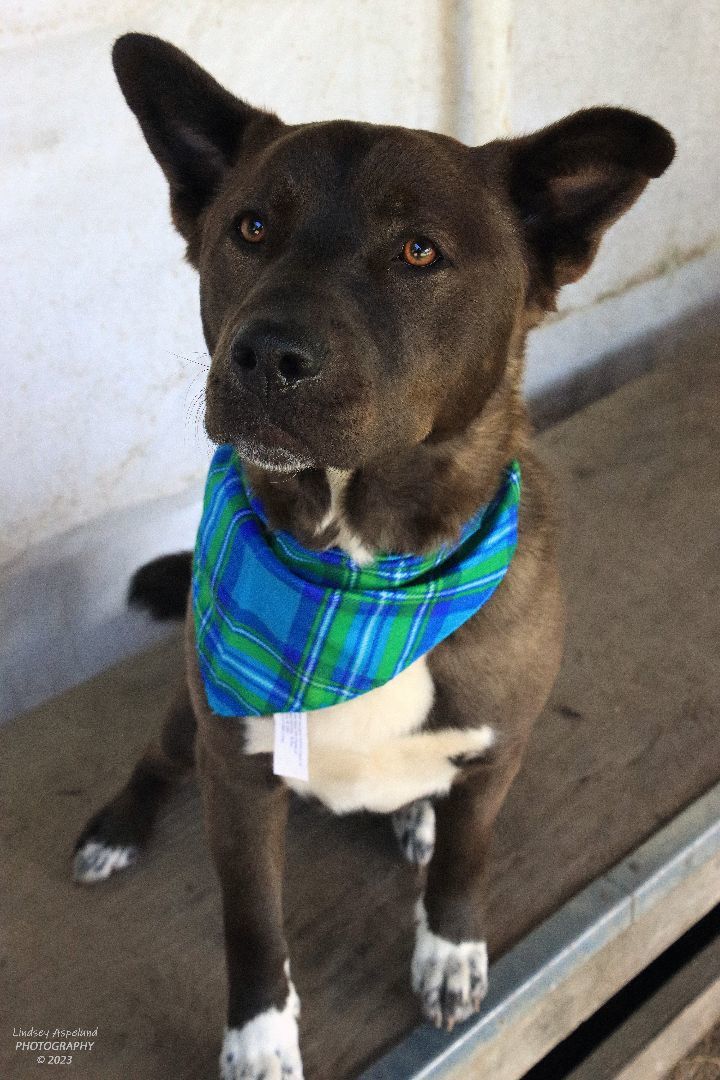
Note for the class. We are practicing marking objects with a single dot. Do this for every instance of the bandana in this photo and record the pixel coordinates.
(280, 628)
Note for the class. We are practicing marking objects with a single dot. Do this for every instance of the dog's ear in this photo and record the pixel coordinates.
(193, 126)
(569, 182)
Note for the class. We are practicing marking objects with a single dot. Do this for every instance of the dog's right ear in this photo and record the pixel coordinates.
(193, 126)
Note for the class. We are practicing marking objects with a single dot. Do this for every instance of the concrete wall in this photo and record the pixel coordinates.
(659, 57)
(102, 455)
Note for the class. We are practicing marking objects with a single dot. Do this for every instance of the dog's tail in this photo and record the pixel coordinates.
(161, 587)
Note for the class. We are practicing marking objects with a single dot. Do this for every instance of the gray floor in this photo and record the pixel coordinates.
(703, 1063)
(630, 736)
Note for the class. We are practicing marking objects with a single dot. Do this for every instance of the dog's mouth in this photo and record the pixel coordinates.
(271, 455)
(257, 439)
(289, 434)
(319, 426)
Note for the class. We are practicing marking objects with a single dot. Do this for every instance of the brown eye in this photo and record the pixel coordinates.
(420, 253)
(252, 228)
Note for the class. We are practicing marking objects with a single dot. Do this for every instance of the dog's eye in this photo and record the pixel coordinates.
(251, 228)
(420, 252)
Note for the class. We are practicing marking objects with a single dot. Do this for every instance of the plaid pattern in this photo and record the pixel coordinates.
(280, 628)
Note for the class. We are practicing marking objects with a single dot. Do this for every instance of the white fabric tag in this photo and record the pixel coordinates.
(290, 754)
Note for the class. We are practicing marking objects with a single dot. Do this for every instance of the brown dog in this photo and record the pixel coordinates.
(366, 293)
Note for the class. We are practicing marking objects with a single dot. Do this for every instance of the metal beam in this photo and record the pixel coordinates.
(561, 972)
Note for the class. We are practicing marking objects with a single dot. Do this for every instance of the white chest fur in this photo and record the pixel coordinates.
(368, 753)
(346, 539)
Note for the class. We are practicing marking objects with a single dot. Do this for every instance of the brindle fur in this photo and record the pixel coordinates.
(418, 399)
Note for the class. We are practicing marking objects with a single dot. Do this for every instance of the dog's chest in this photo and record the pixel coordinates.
(371, 752)
(357, 750)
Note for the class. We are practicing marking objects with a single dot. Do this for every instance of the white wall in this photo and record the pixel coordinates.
(659, 57)
(101, 333)
(102, 352)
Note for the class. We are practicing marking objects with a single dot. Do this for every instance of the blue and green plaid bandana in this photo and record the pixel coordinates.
(280, 628)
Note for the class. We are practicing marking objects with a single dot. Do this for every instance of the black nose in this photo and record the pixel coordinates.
(262, 352)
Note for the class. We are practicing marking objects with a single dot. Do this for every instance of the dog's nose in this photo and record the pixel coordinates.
(263, 352)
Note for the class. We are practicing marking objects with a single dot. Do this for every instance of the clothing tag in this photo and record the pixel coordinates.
(290, 755)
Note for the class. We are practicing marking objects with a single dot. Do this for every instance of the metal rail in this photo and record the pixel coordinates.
(585, 926)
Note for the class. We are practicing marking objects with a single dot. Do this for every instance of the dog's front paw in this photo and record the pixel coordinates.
(414, 827)
(451, 979)
(110, 842)
(96, 861)
(266, 1048)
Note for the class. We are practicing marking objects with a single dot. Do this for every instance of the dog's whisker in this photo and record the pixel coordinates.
(189, 402)
(198, 407)
(203, 363)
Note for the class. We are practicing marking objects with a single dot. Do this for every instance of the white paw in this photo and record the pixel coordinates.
(96, 861)
(451, 979)
(414, 827)
(266, 1048)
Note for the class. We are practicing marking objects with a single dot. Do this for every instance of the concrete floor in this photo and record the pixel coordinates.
(630, 736)
(703, 1063)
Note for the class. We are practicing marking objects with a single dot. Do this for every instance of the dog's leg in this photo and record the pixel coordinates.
(112, 838)
(450, 962)
(246, 813)
(414, 828)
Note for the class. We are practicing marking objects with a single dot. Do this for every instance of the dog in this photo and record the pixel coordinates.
(366, 292)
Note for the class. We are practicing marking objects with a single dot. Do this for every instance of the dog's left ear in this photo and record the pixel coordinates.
(569, 182)
(194, 127)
